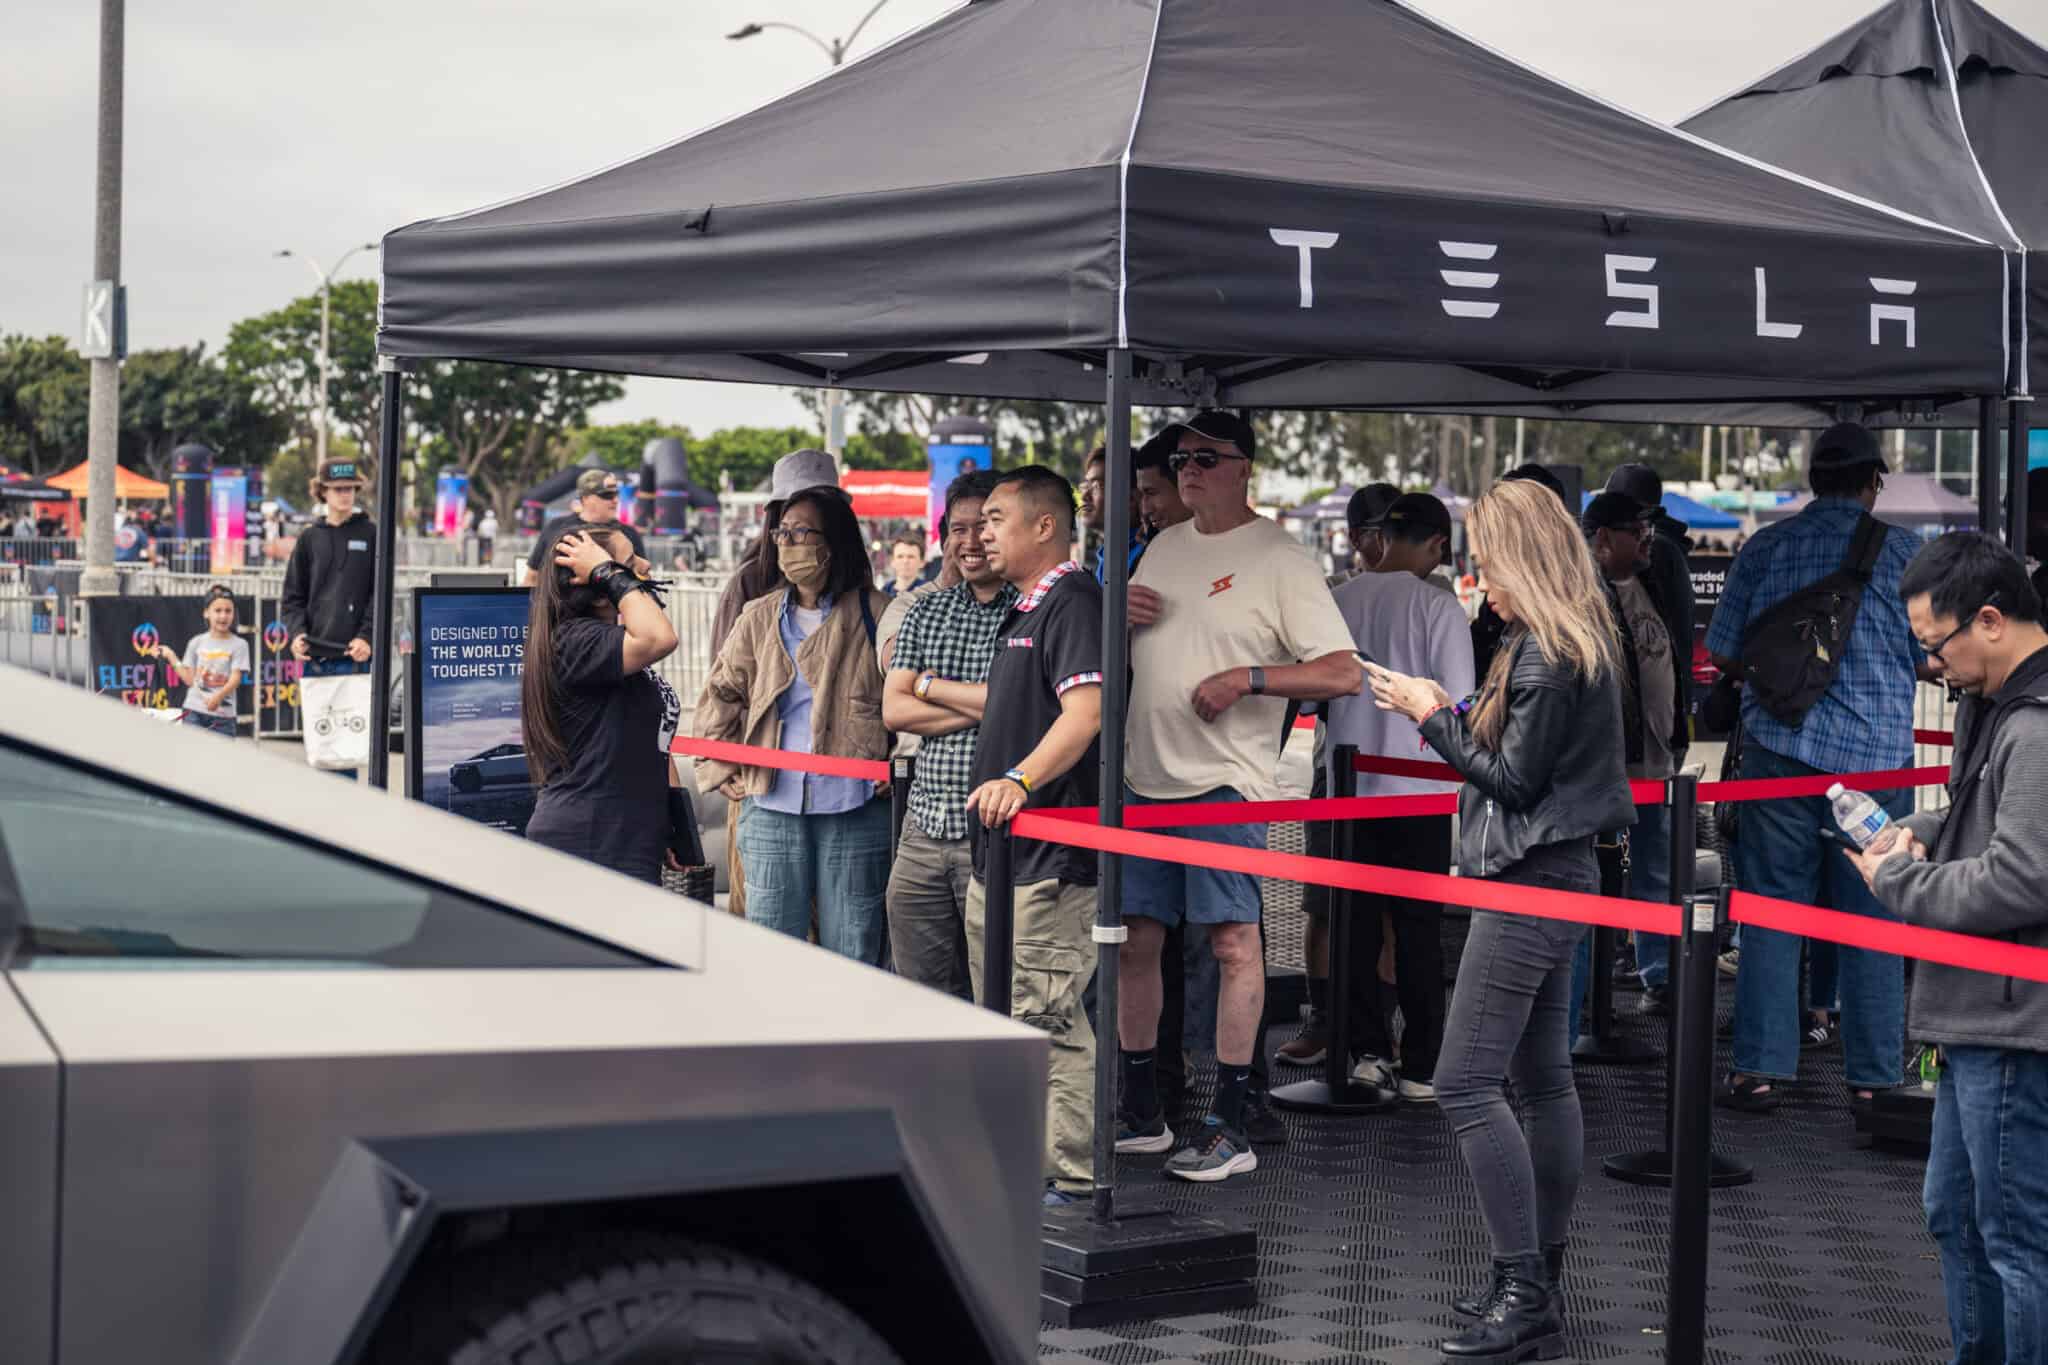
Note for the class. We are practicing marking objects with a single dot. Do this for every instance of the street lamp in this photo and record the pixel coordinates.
(833, 48)
(835, 52)
(326, 279)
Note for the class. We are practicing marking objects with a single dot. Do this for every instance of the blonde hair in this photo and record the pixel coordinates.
(1530, 547)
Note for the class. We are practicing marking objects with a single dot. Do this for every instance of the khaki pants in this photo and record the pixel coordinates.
(1053, 959)
(736, 879)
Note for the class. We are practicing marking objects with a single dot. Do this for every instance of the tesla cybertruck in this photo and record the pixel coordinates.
(299, 1071)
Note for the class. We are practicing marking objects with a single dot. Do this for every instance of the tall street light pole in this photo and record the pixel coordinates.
(326, 279)
(103, 413)
(835, 52)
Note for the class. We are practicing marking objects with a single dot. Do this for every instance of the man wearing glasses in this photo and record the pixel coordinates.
(597, 502)
(1231, 619)
(1788, 848)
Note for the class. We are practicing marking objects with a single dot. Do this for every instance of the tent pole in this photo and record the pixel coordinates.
(1987, 466)
(391, 425)
(2016, 476)
(1116, 684)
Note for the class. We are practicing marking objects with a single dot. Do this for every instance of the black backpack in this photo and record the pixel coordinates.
(1791, 652)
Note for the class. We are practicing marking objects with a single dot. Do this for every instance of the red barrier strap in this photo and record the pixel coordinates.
(1933, 737)
(1406, 767)
(873, 769)
(1771, 788)
(1262, 812)
(1994, 956)
(1578, 906)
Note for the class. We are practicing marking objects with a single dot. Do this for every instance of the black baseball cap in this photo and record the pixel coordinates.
(1845, 445)
(341, 471)
(1640, 482)
(1611, 511)
(1218, 425)
(1369, 504)
(1413, 512)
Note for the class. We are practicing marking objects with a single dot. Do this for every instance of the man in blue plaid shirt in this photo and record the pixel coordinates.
(1789, 848)
(934, 689)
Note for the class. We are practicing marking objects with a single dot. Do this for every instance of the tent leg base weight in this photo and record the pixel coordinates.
(1316, 1097)
(1654, 1168)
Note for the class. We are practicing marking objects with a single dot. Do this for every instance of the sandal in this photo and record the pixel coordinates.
(1752, 1096)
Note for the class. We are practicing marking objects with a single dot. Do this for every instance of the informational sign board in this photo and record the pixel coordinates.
(123, 634)
(1709, 575)
(464, 748)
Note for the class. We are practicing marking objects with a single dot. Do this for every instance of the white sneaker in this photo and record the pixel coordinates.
(1417, 1092)
(1729, 962)
(1374, 1072)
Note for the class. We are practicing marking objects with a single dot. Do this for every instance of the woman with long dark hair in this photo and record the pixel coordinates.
(798, 672)
(1540, 749)
(597, 719)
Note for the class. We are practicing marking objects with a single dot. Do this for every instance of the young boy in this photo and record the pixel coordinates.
(213, 667)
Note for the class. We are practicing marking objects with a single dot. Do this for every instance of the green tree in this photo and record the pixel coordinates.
(180, 394)
(277, 355)
(43, 388)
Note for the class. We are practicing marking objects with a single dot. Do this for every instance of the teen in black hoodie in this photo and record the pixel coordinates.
(329, 597)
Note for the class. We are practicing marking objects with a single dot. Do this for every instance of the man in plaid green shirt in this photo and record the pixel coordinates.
(935, 689)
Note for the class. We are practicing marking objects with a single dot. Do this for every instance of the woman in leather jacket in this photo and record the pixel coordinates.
(799, 672)
(1540, 749)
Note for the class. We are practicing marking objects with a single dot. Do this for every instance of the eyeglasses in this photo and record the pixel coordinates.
(1205, 458)
(794, 535)
(1968, 621)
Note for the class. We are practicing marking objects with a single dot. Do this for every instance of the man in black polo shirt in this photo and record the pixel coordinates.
(1040, 717)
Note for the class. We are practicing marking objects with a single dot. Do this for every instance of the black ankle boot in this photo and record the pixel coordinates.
(1475, 1304)
(1522, 1323)
(1553, 1261)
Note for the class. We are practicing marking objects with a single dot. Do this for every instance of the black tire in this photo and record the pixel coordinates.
(466, 780)
(605, 1296)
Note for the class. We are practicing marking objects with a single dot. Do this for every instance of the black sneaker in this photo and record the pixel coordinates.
(1655, 1001)
(1261, 1124)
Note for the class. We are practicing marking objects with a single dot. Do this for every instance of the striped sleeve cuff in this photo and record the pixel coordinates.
(1078, 680)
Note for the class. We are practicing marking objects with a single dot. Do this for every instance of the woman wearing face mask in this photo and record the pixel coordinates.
(1541, 756)
(798, 672)
(597, 719)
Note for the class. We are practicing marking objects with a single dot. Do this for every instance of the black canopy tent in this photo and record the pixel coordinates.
(1937, 107)
(1301, 203)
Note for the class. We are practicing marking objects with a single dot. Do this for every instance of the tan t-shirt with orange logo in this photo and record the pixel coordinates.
(1252, 595)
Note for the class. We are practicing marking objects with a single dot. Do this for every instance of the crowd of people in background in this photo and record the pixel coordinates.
(986, 665)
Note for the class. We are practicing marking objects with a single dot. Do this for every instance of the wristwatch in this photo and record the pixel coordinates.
(922, 688)
(1258, 681)
(1017, 775)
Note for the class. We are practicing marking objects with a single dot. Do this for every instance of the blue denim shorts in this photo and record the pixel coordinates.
(1173, 892)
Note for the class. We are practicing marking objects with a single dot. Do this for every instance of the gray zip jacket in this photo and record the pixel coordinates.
(1987, 870)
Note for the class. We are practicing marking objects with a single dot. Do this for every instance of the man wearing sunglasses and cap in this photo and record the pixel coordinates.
(597, 502)
(1231, 620)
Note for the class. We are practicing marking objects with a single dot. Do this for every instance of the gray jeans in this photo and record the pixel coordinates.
(1509, 1017)
(927, 901)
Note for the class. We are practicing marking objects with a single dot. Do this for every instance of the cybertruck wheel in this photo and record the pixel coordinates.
(467, 780)
(642, 1298)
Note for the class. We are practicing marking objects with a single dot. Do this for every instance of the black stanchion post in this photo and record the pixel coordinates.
(1692, 994)
(1692, 1137)
(902, 771)
(998, 922)
(1336, 1092)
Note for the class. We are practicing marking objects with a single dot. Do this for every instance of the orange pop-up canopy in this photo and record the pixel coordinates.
(128, 485)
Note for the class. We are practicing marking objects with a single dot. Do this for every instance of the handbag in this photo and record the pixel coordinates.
(336, 711)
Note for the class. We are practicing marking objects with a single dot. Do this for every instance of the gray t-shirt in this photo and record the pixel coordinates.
(209, 663)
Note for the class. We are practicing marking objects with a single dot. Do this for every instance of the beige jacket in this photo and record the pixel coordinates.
(739, 704)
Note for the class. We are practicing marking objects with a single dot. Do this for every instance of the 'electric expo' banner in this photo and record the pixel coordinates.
(124, 634)
(465, 749)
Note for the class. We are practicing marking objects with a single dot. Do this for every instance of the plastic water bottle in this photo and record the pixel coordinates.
(1861, 818)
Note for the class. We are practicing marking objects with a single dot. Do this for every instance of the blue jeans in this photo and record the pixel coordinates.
(1790, 849)
(839, 862)
(1649, 858)
(1986, 1197)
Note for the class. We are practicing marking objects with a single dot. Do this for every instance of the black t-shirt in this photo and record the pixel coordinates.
(610, 805)
(544, 547)
(1055, 644)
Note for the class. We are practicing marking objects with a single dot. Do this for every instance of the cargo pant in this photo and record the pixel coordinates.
(1053, 960)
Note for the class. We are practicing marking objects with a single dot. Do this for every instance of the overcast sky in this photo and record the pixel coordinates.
(254, 124)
